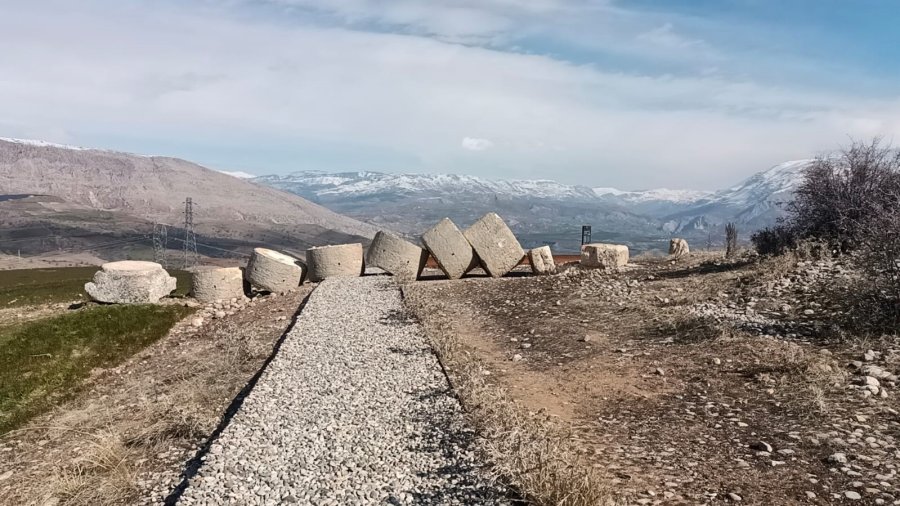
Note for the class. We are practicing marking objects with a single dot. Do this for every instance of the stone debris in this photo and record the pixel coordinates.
(355, 412)
(209, 284)
(604, 256)
(337, 261)
(495, 244)
(542, 260)
(396, 256)
(130, 282)
(450, 249)
(273, 271)
(678, 247)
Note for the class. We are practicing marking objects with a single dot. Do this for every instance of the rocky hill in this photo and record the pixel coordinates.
(154, 188)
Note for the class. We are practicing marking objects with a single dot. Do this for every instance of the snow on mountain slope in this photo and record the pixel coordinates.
(756, 202)
(45, 144)
(659, 194)
(238, 174)
(358, 184)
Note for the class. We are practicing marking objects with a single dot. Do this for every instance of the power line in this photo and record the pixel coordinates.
(191, 258)
(161, 245)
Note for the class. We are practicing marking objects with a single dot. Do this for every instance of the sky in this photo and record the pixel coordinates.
(615, 93)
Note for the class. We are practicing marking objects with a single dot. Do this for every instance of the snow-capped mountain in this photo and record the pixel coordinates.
(367, 184)
(546, 211)
(659, 194)
(756, 202)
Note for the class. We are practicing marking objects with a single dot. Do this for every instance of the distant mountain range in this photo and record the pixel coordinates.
(546, 211)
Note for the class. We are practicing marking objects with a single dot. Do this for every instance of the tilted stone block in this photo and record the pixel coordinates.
(273, 271)
(130, 282)
(450, 249)
(209, 284)
(495, 244)
(339, 261)
(678, 247)
(606, 256)
(542, 260)
(395, 256)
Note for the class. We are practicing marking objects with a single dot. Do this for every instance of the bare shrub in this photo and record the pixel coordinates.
(841, 196)
(731, 240)
(776, 240)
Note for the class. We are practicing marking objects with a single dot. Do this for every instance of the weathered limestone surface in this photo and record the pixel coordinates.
(273, 271)
(339, 261)
(396, 256)
(542, 260)
(606, 256)
(130, 282)
(678, 247)
(495, 245)
(209, 284)
(450, 249)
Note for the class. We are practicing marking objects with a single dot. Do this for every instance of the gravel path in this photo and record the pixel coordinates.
(354, 409)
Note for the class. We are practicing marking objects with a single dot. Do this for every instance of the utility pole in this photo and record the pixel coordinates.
(190, 239)
(161, 245)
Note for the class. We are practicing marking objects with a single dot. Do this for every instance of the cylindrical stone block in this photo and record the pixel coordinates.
(339, 261)
(272, 271)
(209, 284)
(542, 260)
(395, 256)
(130, 282)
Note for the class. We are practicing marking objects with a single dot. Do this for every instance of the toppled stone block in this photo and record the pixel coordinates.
(130, 282)
(339, 261)
(395, 256)
(495, 244)
(272, 271)
(678, 247)
(605, 256)
(542, 261)
(209, 284)
(450, 249)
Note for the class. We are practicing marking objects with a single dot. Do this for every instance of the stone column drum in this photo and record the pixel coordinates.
(272, 271)
(130, 282)
(678, 248)
(495, 244)
(209, 283)
(605, 256)
(542, 261)
(339, 261)
(450, 249)
(395, 256)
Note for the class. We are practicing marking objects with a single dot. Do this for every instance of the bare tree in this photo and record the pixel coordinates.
(731, 239)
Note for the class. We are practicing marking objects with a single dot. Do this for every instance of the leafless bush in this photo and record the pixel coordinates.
(731, 239)
(776, 240)
(840, 197)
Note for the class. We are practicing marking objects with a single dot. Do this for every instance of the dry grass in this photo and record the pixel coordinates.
(125, 440)
(528, 451)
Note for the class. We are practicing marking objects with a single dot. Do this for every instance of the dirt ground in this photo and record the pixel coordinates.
(126, 438)
(673, 405)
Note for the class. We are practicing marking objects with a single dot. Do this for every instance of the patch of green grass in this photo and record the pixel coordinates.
(27, 287)
(46, 361)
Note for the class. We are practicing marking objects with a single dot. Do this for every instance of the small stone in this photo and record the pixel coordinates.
(810, 495)
(734, 497)
(838, 458)
(220, 314)
(853, 496)
(717, 361)
(761, 446)
(516, 357)
(197, 322)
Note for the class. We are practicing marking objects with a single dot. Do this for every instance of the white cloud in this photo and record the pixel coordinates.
(215, 78)
(476, 144)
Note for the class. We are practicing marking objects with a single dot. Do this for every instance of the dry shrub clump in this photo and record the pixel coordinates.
(528, 451)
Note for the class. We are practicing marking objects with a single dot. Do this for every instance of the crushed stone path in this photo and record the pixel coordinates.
(354, 409)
